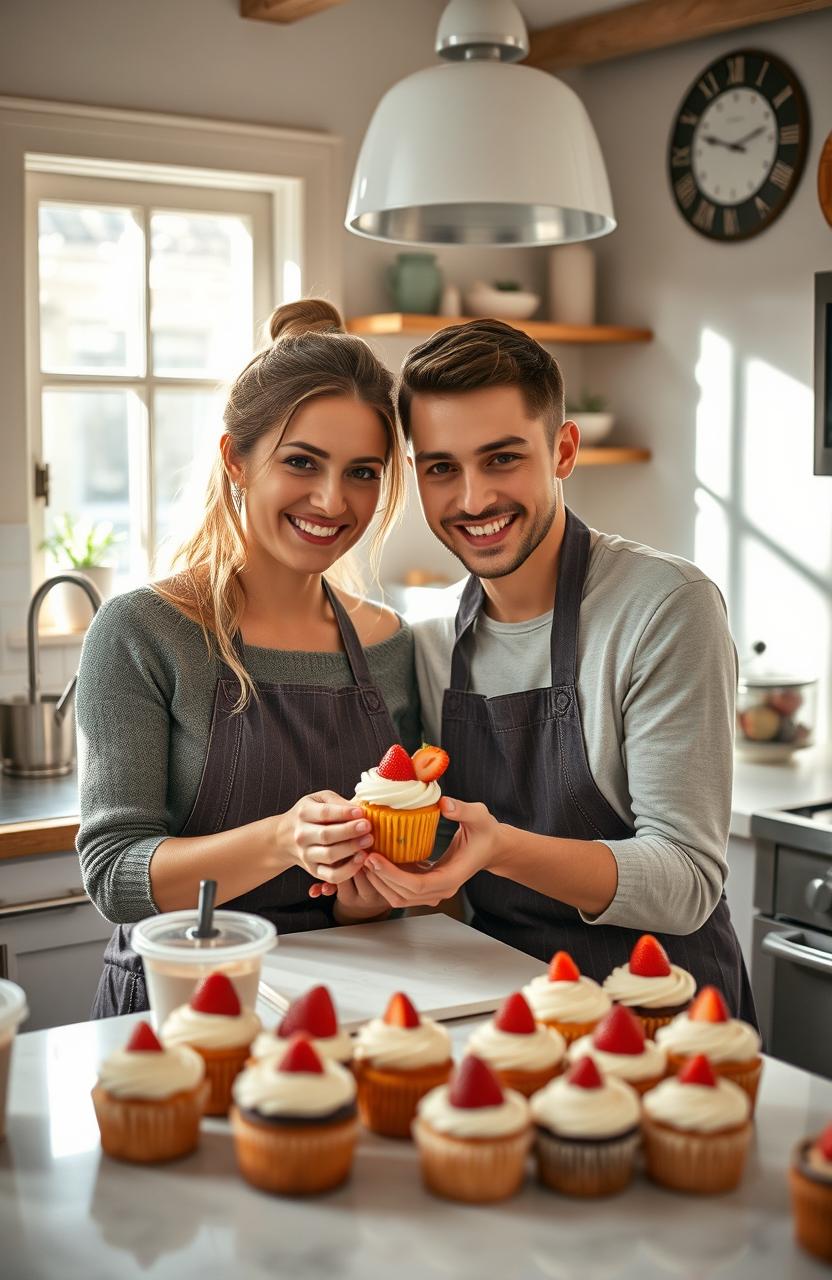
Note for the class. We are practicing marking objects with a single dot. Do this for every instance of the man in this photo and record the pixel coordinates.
(590, 743)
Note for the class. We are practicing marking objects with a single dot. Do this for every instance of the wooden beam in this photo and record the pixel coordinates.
(284, 10)
(652, 24)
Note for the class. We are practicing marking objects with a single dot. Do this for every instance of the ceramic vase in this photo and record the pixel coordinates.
(415, 282)
(572, 284)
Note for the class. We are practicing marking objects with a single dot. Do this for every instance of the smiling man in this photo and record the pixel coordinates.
(584, 691)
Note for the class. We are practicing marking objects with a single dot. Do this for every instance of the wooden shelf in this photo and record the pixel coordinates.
(396, 323)
(611, 456)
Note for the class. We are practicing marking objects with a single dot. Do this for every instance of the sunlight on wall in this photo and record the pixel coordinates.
(715, 375)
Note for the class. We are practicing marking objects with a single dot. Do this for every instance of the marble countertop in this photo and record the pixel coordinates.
(65, 1209)
(806, 778)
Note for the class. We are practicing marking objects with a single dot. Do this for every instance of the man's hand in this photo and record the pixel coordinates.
(356, 901)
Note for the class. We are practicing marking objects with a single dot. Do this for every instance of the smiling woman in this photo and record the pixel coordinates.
(225, 712)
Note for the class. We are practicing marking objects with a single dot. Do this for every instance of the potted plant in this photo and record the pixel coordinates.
(83, 547)
(592, 417)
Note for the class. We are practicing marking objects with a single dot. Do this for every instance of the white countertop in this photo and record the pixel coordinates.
(806, 778)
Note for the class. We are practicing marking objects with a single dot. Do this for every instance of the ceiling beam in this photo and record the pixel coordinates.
(284, 10)
(652, 24)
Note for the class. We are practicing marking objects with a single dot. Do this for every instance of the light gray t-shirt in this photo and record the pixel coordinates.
(657, 673)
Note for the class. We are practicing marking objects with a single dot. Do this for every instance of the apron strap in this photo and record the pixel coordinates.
(574, 559)
(470, 603)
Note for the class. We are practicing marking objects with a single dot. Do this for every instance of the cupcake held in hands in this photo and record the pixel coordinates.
(566, 999)
(523, 1055)
(650, 985)
(314, 1013)
(220, 1030)
(731, 1046)
(398, 1059)
(400, 799)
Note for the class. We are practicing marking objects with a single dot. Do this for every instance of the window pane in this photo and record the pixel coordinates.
(91, 288)
(201, 271)
(186, 429)
(86, 442)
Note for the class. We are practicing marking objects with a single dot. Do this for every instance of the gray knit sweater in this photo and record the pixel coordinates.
(145, 696)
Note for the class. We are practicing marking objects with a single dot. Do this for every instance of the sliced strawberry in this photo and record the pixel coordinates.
(562, 968)
(697, 1070)
(475, 1085)
(648, 958)
(515, 1016)
(216, 994)
(143, 1040)
(430, 763)
(401, 1012)
(584, 1074)
(300, 1056)
(619, 1031)
(709, 1006)
(824, 1143)
(396, 765)
(312, 1012)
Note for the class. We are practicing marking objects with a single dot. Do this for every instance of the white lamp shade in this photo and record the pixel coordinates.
(480, 153)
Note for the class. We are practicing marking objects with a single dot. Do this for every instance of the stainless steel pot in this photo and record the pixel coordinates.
(37, 735)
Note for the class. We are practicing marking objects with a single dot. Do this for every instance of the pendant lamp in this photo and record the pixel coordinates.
(477, 151)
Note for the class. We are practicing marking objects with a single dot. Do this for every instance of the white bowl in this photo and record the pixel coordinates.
(594, 427)
(501, 304)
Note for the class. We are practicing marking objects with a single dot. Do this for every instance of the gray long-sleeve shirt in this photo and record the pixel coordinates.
(656, 688)
(144, 702)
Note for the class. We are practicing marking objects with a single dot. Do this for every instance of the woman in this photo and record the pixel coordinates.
(224, 713)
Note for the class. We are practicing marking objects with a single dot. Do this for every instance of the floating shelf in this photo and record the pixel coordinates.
(611, 456)
(397, 323)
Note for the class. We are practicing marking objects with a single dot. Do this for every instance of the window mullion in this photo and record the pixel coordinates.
(149, 504)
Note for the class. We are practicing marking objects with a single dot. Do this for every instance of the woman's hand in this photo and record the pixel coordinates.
(325, 835)
(356, 900)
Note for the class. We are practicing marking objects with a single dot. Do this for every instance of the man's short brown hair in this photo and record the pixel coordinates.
(483, 353)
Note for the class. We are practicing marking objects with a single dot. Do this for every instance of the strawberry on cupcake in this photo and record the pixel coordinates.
(650, 985)
(215, 1024)
(398, 1059)
(731, 1045)
(523, 1055)
(400, 799)
(313, 1013)
(619, 1048)
(566, 999)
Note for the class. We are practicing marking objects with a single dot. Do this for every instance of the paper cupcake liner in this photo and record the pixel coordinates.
(474, 1170)
(704, 1163)
(576, 1168)
(812, 1211)
(642, 1086)
(745, 1074)
(650, 1025)
(527, 1082)
(570, 1031)
(222, 1066)
(149, 1130)
(294, 1160)
(387, 1100)
(403, 835)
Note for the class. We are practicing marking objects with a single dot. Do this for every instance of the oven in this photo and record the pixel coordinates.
(791, 965)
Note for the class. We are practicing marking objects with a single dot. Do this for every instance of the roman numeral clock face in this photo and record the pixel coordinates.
(738, 145)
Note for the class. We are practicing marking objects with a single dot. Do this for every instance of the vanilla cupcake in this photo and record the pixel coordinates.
(313, 1013)
(400, 799)
(619, 1048)
(650, 985)
(696, 1130)
(398, 1059)
(220, 1030)
(588, 1132)
(149, 1100)
(731, 1045)
(473, 1136)
(523, 1055)
(810, 1180)
(566, 999)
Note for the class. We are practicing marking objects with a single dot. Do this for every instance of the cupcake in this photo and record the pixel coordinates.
(148, 1099)
(294, 1121)
(618, 1046)
(696, 1130)
(731, 1046)
(398, 1059)
(473, 1136)
(220, 1030)
(810, 1179)
(650, 985)
(401, 801)
(314, 1014)
(521, 1054)
(587, 1132)
(566, 1000)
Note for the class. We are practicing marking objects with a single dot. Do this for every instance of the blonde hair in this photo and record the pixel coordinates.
(309, 356)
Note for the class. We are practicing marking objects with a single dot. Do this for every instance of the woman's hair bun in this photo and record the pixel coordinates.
(308, 315)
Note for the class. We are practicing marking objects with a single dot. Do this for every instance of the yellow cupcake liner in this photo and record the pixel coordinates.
(811, 1210)
(387, 1099)
(149, 1130)
(473, 1170)
(294, 1160)
(703, 1163)
(403, 835)
(571, 1031)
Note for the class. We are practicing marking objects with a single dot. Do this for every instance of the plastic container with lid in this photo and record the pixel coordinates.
(776, 711)
(175, 960)
(13, 1011)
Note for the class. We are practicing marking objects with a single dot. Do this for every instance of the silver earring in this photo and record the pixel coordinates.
(237, 495)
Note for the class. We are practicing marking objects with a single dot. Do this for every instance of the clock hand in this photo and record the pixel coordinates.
(717, 142)
(739, 144)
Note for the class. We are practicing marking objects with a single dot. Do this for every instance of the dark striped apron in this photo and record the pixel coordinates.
(292, 740)
(523, 753)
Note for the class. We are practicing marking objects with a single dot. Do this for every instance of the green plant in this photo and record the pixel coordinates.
(508, 286)
(587, 403)
(80, 543)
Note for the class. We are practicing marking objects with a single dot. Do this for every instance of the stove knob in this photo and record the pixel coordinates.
(819, 895)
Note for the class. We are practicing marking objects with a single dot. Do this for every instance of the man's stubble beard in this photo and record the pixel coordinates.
(530, 543)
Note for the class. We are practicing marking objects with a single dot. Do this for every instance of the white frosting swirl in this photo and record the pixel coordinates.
(373, 789)
(700, 1107)
(507, 1051)
(817, 1162)
(337, 1048)
(150, 1074)
(262, 1087)
(511, 1116)
(210, 1030)
(731, 1041)
(407, 1048)
(580, 1001)
(674, 988)
(652, 1061)
(587, 1113)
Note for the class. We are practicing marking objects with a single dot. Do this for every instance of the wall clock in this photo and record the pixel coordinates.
(738, 145)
